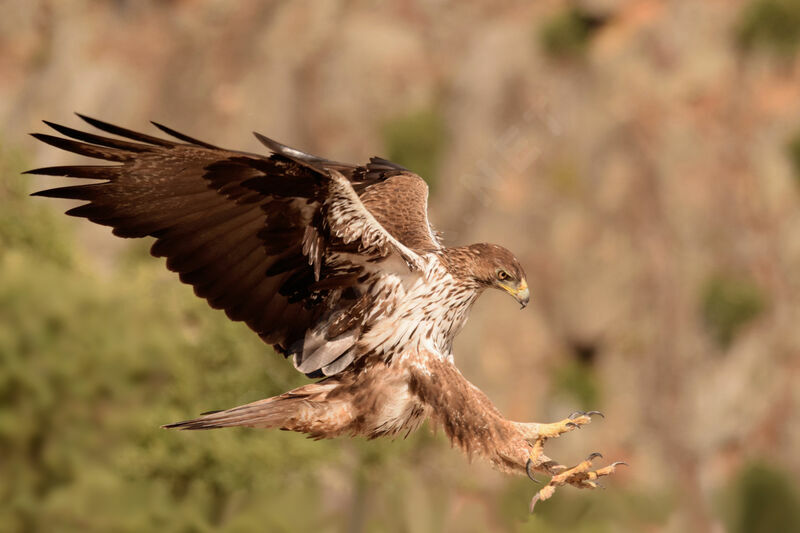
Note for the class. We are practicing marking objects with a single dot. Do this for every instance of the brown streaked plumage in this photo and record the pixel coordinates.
(335, 265)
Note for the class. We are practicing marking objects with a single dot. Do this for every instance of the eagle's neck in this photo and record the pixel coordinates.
(444, 311)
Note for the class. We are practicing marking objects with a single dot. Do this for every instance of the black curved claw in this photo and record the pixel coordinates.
(593, 455)
(529, 471)
(590, 413)
(576, 414)
(572, 425)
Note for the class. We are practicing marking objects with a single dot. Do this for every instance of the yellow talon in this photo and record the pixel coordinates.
(580, 475)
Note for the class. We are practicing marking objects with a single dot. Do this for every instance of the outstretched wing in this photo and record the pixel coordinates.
(281, 242)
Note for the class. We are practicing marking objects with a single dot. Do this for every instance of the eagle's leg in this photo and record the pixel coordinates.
(473, 423)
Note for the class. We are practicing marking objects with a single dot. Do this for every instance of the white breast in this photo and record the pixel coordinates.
(431, 308)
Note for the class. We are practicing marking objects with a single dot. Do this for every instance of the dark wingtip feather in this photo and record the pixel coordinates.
(52, 140)
(95, 172)
(124, 132)
(181, 136)
(47, 193)
(99, 124)
(64, 130)
(92, 121)
(89, 150)
(97, 139)
(71, 192)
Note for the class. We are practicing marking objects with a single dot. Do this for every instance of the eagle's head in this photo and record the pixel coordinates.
(490, 265)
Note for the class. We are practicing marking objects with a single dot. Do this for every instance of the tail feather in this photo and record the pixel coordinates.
(268, 413)
(304, 409)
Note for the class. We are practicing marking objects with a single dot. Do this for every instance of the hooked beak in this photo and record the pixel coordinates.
(520, 292)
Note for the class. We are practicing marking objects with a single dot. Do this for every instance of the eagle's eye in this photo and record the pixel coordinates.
(502, 275)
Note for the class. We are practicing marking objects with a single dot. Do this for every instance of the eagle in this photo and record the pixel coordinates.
(334, 265)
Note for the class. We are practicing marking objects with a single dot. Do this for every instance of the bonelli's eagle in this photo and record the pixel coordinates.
(336, 267)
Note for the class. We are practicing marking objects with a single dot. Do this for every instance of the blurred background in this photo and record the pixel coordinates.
(641, 158)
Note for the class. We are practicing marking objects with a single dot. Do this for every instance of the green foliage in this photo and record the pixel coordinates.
(416, 141)
(583, 512)
(728, 304)
(793, 151)
(772, 25)
(762, 500)
(91, 368)
(568, 33)
(578, 381)
(25, 225)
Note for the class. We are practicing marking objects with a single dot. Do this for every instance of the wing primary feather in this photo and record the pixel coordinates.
(97, 139)
(89, 150)
(94, 172)
(123, 132)
(72, 192)
(183, 137)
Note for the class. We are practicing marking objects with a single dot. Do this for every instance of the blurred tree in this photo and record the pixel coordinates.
(793, 151)
(577, 381)
(416, 141)
(772, 25)
(91, 366)
(567, 34)
(762, 500)
(728, 304)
